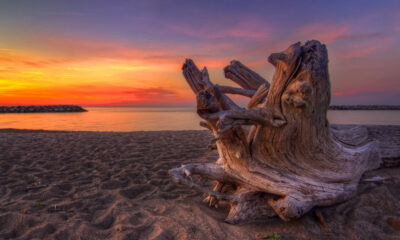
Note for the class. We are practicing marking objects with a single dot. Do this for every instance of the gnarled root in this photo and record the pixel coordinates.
(289, 207)
(250, 205)
(289, 150)
(212, 171)
(245, 204)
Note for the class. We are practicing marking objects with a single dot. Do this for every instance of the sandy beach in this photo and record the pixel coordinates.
(115, 185)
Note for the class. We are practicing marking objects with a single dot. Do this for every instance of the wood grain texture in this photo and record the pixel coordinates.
(290, 159)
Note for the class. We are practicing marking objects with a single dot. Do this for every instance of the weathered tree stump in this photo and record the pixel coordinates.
(289, 160)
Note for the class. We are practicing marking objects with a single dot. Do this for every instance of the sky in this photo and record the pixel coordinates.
(130, 53)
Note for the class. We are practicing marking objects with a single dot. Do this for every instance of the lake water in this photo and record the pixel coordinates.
(147, 119)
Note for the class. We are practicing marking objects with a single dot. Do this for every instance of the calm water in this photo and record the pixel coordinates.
(137, 119)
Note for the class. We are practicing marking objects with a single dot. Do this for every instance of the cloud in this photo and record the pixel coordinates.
(123, 91)
(363, 36)
(66, 14)
(346, 93)
(55, 49)
(324, 32)
(352, 40)
(367, 97)
(90, 95)
(87, 49)
(364, 47)
(329, 33)
(140, 93)
(11, 58)
(90, 55)
(252, 29)
(52, 50)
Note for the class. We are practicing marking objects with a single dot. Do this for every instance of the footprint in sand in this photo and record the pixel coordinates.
(105, 223)
(16, 224)
(136, 191)
(114, 184)
(61, 189)
(137, 218)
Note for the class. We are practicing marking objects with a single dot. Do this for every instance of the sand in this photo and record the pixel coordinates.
(105, 185)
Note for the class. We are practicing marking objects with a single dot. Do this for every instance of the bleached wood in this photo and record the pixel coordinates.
(290, 160)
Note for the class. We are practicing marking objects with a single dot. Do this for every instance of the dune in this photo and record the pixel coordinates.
(115, 185)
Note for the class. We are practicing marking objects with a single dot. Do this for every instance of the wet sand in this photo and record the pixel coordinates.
(114, 185)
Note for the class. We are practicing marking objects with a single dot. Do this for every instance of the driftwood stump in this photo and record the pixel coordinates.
(289, 159)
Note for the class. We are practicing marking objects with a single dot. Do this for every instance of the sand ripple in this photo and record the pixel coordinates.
(93, 185)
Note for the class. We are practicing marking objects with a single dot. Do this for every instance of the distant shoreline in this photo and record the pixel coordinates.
(77, 108)
(364, 107)
(41, 109)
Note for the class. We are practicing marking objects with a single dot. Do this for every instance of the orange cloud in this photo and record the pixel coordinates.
(89, 49)
(91, 95)
(63, 50)
(59, 74)
(12, 58)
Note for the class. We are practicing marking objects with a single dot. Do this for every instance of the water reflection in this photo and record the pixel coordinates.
(146, 119)
(381, 117)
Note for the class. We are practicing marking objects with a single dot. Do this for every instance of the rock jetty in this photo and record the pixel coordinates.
(41, 109)
(365, 107)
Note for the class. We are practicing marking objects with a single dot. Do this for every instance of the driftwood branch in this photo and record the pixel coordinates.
(259, 96)
(290, 160)
(259, 116)
(239, 91)
(243, 76)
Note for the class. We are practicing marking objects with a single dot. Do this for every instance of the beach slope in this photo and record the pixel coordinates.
(115, 185)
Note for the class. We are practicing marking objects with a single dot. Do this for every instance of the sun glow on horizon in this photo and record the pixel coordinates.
(131, 54)
(27, 78)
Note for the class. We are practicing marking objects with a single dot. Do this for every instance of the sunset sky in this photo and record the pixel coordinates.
(131, 52)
